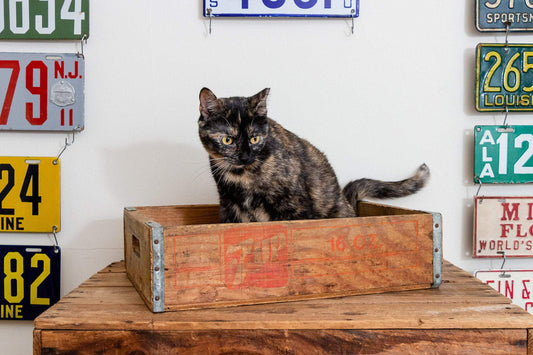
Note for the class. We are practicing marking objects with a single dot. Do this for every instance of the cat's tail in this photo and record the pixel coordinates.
(367, 188)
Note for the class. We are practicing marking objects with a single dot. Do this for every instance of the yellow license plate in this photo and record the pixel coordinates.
(30, 194)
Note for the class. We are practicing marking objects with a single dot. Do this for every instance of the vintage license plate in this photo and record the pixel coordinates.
(492, 15)
(29, 194)
(504, 77)
(503, 225)
(42, 92)
(44, 19)
(514, 284)
(282, 8)
(31, 280)
(503, 154)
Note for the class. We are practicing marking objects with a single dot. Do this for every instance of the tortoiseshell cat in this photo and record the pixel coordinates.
(265, 173)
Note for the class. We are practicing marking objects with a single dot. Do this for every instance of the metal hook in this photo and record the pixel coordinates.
(67, 144)
(83, 39)
(507, 28)
(353, 20)
(503, 263)
(505, 125)
(56, 246)
(478, 180)
(209, 13)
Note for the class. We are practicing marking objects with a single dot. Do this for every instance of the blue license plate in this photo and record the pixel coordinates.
(31, 280)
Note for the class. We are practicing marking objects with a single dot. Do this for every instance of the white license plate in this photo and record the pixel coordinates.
(514, 284)
(503, 225)
(282, 8)
(41, 92)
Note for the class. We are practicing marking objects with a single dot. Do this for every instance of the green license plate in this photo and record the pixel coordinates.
(503, 154)
(29, 194)
(44, 19)
(504, 77)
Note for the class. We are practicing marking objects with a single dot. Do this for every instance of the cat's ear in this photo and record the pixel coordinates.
(209, 103)
(259, 102)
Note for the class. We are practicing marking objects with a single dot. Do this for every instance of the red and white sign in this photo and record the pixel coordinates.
(503, 225)
(514, 284)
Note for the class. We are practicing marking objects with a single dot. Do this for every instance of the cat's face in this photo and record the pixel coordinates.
(234, 130)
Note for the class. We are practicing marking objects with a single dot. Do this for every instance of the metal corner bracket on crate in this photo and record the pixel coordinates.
(158, 264)
(437, 250)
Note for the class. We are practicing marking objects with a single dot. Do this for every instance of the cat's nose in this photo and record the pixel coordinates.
(246, 158)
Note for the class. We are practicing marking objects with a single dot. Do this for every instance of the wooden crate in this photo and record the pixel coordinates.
(179, 257)
(106, 315)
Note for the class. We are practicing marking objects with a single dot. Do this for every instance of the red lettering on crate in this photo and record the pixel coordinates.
(327, 251)
(256, 256)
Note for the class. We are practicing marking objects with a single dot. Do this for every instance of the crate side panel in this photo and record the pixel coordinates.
(138, 254)
(228, 264)
(368, 209)
(169, 216)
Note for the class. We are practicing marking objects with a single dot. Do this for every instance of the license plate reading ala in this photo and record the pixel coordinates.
(31, 280)
(41, 92)
(44, 19)
(503, 154)
(504, 77)
(282, 8)
(514, 284)
(29, 194)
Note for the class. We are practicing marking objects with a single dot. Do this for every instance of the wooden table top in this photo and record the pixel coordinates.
(108, 301)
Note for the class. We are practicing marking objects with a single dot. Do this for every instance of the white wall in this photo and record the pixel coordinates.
(397, 93)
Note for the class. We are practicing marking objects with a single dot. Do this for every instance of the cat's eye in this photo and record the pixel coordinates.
(227, 140)
(254, 140)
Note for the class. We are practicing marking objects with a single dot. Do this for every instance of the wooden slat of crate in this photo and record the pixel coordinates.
(212, 265)
(462, 316)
